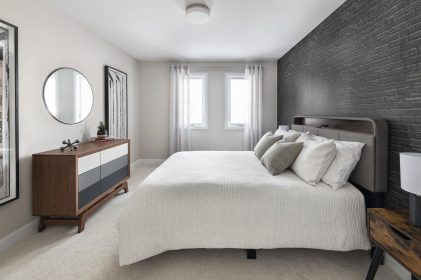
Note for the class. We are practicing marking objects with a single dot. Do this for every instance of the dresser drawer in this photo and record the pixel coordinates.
(114, 171)
(399, 245)
(114, 153)
(88, 162)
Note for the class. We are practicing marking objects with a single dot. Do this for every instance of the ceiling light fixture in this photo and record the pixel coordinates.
(198, 13)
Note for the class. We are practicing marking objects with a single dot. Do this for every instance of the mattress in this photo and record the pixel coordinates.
(210, 199)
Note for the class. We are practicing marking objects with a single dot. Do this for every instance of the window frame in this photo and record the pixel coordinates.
(228, 77)
(204, 77)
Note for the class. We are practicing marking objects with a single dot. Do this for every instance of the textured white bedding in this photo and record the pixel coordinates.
(229, 200)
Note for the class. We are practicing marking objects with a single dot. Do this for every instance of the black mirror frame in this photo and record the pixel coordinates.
(45, 103)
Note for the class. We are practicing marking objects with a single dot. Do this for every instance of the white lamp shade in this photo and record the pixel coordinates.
(411, 172)
(284, 127)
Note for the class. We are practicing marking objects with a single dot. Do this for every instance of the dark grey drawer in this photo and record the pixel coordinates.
(114, 171)
(89, 194)
(89, 186)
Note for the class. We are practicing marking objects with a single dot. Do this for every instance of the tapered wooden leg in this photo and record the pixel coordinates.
(377, 258)
(82, 220)
(251, 254)
(126, 189)
(41, 226)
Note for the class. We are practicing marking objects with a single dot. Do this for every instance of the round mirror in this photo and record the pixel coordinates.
(68, 95)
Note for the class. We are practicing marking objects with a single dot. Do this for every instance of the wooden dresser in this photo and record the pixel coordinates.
(68, 186)
(391, 232)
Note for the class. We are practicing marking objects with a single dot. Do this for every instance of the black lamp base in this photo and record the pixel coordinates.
(415, 210)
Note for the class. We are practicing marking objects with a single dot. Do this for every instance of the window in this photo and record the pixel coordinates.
(198, 100)
(237, 111)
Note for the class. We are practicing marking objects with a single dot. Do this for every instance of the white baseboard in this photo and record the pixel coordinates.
(397, 267)
(19, 234)
(146, 161)
(134, 164)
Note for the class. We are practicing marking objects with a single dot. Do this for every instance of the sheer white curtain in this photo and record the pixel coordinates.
(179, 109)
(253, 128)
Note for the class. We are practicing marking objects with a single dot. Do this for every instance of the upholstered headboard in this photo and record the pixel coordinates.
(371, 171)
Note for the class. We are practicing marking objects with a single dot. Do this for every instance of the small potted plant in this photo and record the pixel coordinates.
(102, 131)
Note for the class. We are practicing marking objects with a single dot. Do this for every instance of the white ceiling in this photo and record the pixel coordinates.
(238, 29)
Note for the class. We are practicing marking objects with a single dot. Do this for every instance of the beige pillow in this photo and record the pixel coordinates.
(280, 156)
(264, 143)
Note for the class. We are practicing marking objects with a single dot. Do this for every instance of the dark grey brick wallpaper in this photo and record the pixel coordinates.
(363, 60)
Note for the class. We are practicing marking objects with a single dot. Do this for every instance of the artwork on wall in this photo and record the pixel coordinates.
(9, 158)
(116, 103)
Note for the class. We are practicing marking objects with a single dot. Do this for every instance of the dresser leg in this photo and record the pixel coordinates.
(375, 262)
(126, 189)
(82, 220)
(41, 226)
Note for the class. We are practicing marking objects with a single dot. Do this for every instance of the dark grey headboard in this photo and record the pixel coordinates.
(371, 171)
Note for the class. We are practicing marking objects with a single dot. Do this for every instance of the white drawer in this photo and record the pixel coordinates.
(89, 162)
(114, 153)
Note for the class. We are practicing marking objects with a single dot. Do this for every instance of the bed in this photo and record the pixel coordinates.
(215, 199)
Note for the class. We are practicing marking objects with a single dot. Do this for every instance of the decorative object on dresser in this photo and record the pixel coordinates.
(68, 95)
(116, 103)
(9, 138)
(102, 131)
(392, 233)
(69, 144)
(411, 182)
(68, 187)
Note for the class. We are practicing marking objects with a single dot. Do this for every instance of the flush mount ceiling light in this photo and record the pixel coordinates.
(198, 13)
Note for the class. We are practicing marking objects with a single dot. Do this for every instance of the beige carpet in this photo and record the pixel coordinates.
(60, 253)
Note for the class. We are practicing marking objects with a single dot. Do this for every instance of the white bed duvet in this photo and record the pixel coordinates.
(229, 200)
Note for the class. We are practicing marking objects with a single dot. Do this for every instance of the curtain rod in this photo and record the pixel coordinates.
(216, 67)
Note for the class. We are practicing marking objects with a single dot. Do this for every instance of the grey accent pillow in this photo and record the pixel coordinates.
(264, 143)
(280, 156)
(289, 136)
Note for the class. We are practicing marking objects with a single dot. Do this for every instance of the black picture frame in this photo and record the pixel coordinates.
(111, 120)
(16, 108)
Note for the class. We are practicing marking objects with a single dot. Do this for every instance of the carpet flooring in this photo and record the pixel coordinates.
(60, 253)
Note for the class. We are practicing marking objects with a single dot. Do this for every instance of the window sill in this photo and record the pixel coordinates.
(234, 127)
(198, 127)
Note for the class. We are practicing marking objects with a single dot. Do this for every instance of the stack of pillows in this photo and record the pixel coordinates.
(313, 158)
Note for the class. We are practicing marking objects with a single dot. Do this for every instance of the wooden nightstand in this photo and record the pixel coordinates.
(391, 233)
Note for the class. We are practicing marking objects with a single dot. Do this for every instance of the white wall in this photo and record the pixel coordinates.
(49, 39)
(154, 108)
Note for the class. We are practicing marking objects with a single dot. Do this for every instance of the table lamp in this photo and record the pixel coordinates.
(284, 127)
(411, 182)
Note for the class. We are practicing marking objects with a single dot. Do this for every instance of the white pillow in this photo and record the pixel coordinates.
(288, 136)
(346, 159)
(313, 160)
(319, 138)
(304, 137)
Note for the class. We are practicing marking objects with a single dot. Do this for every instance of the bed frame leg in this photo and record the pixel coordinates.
(372, 251)
(251, 254)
